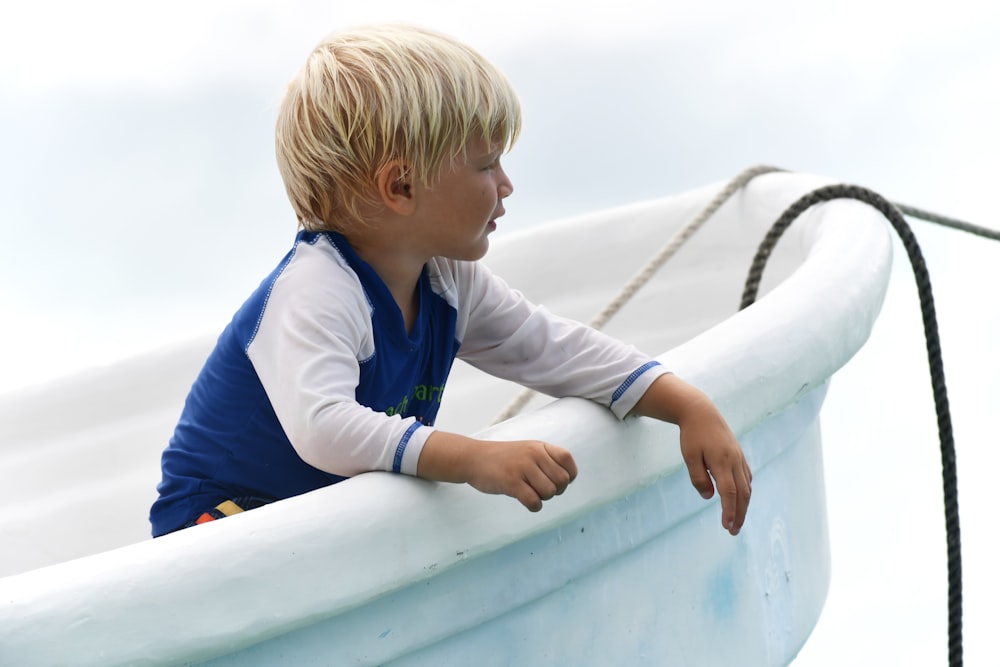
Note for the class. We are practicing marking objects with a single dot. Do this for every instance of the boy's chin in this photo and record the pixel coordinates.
(478, 252)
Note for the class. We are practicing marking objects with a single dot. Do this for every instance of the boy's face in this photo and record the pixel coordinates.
(458, 212)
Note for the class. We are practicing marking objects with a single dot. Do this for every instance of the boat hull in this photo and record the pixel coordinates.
(646, 579)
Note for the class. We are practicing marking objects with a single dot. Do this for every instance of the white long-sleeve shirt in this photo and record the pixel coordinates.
(317, 379)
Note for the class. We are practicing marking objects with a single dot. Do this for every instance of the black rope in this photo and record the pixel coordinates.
(949, 473)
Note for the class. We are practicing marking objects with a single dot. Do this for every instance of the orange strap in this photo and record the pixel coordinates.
(225, 508)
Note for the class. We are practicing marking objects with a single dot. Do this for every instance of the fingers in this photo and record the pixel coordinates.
(559, 466)
(715, 462)
(551, 471)
(527, 496)
(700, 479)
(734, 484)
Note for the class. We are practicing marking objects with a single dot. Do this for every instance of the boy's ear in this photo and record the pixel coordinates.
(395, 187)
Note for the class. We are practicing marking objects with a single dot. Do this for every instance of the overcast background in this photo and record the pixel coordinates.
(139, 204)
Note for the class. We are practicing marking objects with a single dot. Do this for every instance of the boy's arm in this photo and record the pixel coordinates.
(533, 471)
(529, 470)
(709, 448)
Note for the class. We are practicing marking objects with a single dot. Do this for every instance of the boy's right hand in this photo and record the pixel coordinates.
(530, 471)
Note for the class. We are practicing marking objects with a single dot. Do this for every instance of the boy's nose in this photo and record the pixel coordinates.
(505, 188)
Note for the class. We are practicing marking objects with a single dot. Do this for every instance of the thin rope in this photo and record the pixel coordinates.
(939, 219)
(922, 277)
(646, 273)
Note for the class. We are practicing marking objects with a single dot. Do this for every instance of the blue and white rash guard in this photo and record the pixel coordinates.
(317, 379)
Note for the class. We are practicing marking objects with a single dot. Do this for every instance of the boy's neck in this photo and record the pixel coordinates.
(398, 268)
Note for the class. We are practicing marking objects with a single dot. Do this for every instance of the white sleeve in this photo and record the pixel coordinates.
(506, 335)
(313, 333)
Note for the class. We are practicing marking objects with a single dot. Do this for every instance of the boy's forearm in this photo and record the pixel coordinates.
(445, 457)
(671, 399)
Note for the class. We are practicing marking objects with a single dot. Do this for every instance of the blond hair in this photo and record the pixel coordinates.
(371, 95)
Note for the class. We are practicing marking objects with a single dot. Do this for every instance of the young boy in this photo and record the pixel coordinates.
(389, 143)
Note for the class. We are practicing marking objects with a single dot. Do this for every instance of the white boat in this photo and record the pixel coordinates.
(630, 566)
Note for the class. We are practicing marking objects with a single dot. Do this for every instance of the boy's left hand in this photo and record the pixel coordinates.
(710, 451)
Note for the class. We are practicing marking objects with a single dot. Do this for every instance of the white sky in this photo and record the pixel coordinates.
(49, 44)
(623, 100)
